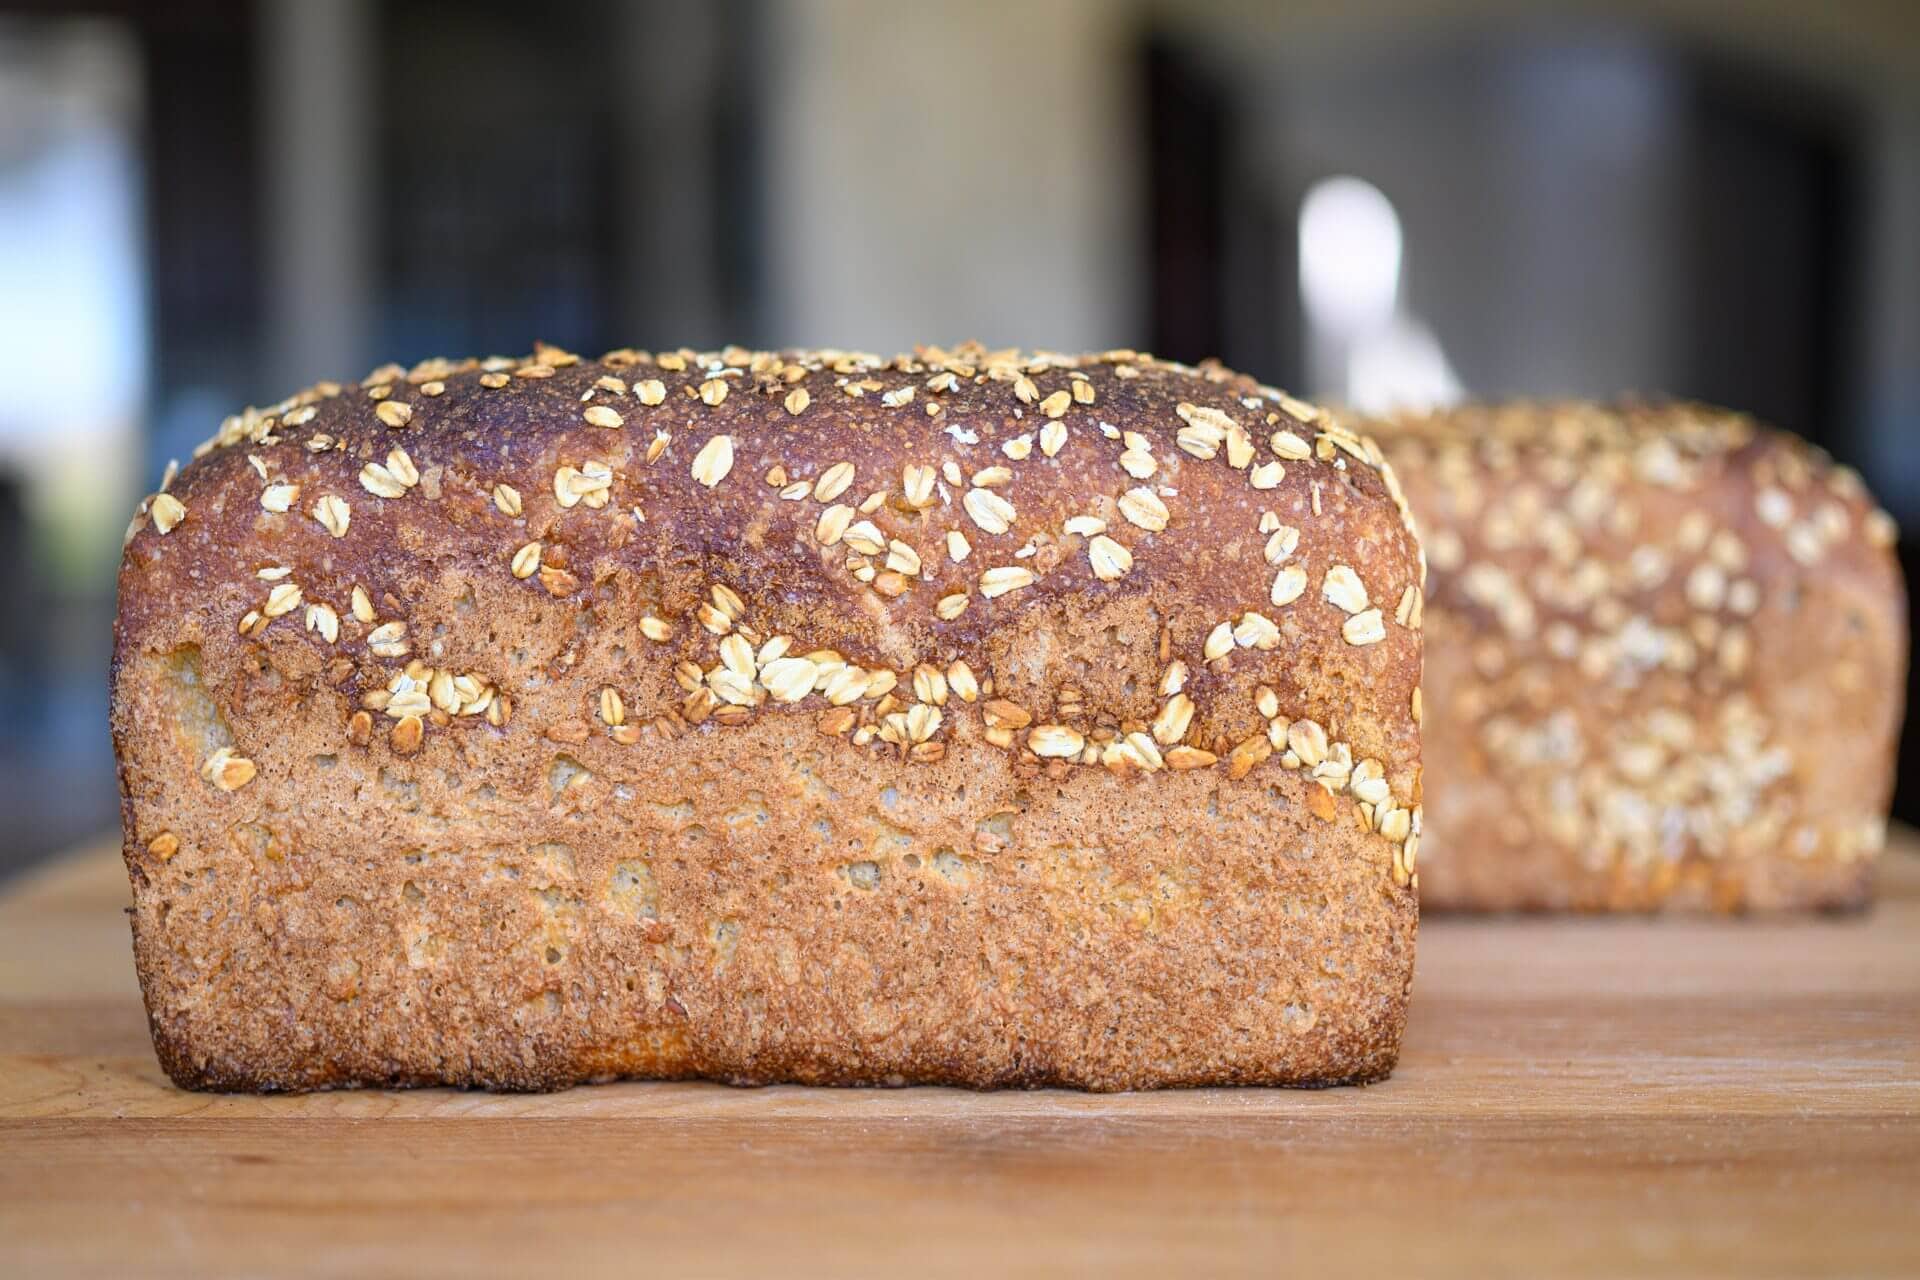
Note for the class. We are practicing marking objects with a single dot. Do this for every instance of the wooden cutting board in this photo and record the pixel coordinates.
(1593, 1097)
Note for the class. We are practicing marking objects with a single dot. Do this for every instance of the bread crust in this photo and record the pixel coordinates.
(1667, 663)
(711, 782)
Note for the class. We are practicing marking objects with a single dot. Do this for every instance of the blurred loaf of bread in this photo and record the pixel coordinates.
(1665, 665)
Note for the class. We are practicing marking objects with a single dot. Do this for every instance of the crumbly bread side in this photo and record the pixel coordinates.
(1667, 660)
(968, 717)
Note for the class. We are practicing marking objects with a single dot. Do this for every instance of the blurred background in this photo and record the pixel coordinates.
(209, 203)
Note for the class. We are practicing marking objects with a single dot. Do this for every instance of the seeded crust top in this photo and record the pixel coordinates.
(861, 536)
(1579, 467)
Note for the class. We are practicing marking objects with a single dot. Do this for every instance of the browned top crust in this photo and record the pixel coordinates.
(1528, 508)
(816, 527)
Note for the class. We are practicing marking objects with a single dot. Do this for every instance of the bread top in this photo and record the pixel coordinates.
(775, 520)
(1560, 524)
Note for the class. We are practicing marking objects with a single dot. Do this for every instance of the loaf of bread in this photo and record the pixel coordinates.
(1666, 664)
(966, 717)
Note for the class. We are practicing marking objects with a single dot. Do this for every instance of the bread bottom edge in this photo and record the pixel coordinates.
(1842, 894)
(203, 1073)
(238, 1081)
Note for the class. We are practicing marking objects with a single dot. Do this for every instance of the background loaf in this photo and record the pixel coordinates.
(1667, 665)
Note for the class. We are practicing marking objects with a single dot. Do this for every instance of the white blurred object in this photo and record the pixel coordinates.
(73, 309)
(1349, 257)
(1363, 348)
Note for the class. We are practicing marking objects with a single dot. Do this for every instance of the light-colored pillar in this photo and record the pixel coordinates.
(944, 171)
(316, 97)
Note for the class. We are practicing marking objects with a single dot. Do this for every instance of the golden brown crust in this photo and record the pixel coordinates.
(1667, 660)
(518, 723)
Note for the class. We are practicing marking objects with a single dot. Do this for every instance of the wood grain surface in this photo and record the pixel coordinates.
(1584, 1097)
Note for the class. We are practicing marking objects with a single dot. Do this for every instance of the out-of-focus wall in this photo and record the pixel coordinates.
(1594, 148)
(1863, 55)
(1888, 437)
(941, 172)
(74, 377)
